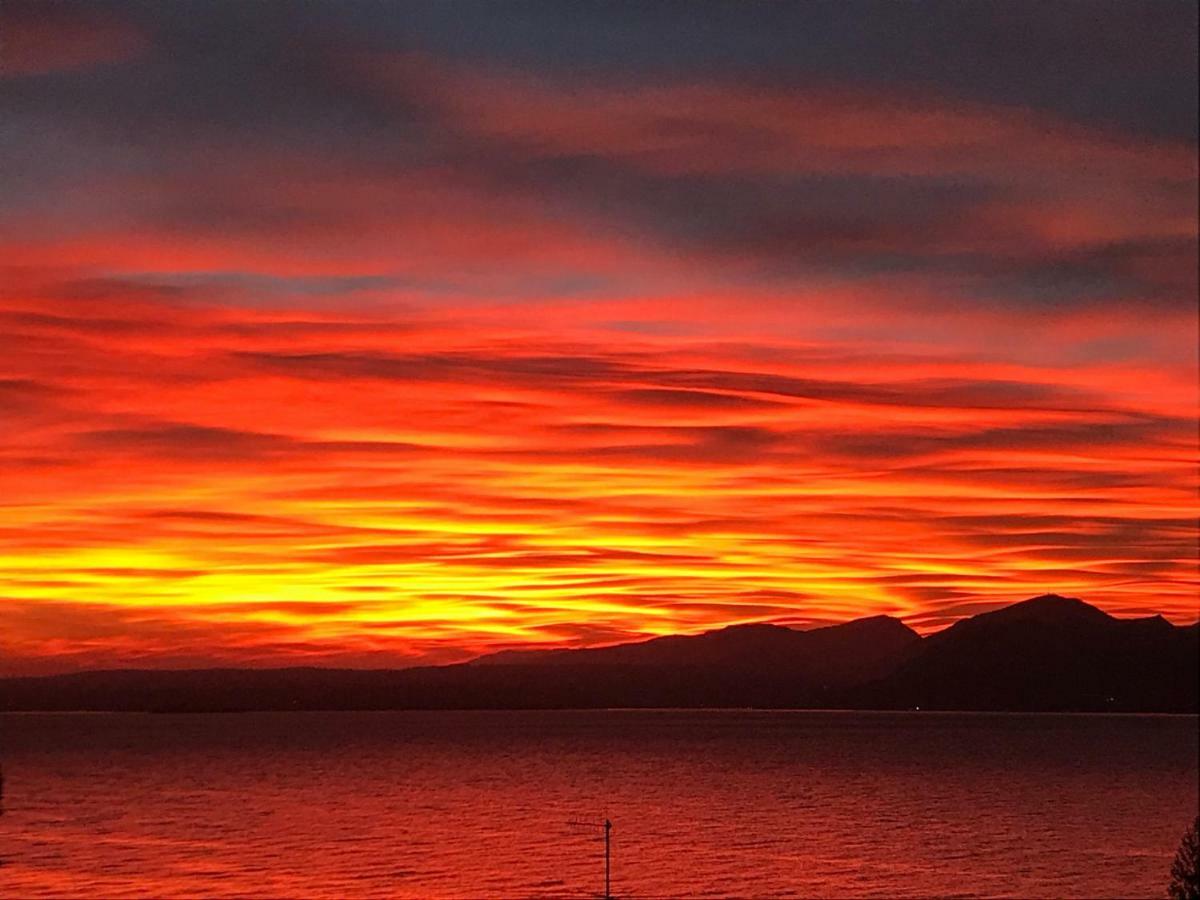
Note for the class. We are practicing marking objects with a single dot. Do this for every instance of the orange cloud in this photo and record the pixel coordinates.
(228, 491)
(523, 360)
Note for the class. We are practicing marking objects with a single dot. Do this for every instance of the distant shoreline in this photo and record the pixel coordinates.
(931, 713)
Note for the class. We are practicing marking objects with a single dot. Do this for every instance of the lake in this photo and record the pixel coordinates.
(703, 803)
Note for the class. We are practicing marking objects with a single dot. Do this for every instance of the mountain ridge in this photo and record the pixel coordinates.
(1048, 653)
(723, 645)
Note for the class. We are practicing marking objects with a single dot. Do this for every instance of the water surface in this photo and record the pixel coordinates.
(704, 803)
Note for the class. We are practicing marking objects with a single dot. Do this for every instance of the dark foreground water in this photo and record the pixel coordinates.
(703, 804)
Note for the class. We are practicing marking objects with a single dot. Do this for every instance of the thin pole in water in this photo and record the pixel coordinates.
(607, 832)
(607, 826)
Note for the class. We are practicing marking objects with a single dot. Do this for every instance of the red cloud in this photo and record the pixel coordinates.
(42, 38)
(591, 367)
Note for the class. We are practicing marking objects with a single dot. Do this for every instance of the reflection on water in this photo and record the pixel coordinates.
(703, 803)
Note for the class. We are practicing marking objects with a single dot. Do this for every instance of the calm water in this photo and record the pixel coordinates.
(703, 804)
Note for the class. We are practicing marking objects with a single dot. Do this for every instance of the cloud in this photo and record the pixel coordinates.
(186, 440)
(48, 38)
(384, 170)
(343, 334)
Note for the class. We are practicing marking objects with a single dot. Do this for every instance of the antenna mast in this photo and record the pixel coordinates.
(607, 826)
(607, 833)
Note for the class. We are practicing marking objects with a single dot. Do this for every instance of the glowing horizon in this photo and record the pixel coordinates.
(391, 355)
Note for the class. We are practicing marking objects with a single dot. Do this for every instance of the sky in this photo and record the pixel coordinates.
(382, 334)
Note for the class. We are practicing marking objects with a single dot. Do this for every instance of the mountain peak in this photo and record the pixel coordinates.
(750, 628)
(1052, 600)
(1046, 609)
(880, 623)
(1151, 624)
(1053, 608)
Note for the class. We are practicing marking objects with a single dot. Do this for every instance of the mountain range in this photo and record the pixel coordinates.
(1049, 653)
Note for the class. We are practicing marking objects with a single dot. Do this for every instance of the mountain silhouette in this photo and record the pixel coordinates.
(833, 655)
(1050, 653)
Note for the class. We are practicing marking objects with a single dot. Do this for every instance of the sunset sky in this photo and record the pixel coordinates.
(383, 334)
